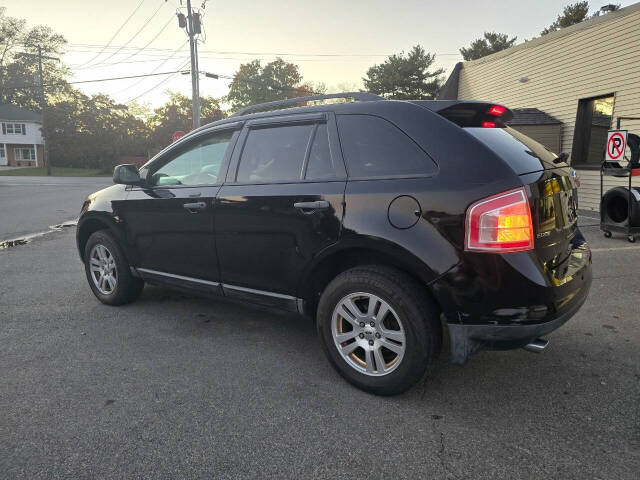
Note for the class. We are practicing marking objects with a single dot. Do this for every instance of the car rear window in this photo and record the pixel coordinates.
(522, 153)
(274, 153)
(374, 147)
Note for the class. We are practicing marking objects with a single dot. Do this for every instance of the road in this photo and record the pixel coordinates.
(33, 204)
(175, 386)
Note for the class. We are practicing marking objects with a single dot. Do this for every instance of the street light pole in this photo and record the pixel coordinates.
(195, 86)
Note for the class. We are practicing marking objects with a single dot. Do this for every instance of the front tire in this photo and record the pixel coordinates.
(108, 271)
(378, 328)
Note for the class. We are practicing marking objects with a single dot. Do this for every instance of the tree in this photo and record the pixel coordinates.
(176, 115)
(19, 84)
(92, 131)
(491, 43)
(405, 76)
(277, 80)
(572, 14)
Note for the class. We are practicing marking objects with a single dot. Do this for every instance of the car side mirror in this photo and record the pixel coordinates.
(127, 174)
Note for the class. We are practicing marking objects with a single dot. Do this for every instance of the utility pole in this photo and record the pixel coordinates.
(43, 99)
(195, 83)
(43, 105)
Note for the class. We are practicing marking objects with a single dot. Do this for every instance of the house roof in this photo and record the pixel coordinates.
(532, 116)
(13, 112)
(448, 93)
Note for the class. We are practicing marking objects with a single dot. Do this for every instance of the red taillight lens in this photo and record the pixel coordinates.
(500, 223)
(497, 110)
(489, 124)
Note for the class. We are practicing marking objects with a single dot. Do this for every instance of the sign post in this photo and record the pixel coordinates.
(616, 145)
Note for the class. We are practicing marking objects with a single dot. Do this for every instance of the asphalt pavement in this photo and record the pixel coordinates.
(33, 204)
(174, 386)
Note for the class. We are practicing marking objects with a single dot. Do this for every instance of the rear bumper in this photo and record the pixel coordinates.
(507, 301)
(468, 339)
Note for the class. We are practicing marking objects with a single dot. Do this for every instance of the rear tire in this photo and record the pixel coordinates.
(108, 271)
(390, 353)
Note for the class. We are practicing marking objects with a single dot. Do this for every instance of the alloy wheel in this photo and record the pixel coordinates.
(368, 334)
(103, 269)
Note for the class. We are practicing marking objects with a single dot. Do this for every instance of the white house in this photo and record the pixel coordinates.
(586, 77)
(20, 138)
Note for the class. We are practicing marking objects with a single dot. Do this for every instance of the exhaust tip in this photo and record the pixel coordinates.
(537, 345)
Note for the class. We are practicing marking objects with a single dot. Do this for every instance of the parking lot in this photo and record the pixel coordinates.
(181, 387)
(33, 204)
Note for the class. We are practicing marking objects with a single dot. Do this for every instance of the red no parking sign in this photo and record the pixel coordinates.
(616, 143)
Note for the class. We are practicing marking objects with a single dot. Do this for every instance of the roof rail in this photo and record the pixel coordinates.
(358, 96)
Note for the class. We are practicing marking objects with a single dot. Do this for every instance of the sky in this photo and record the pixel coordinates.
(332, 41)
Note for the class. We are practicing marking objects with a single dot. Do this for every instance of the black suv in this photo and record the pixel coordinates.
(385, 221)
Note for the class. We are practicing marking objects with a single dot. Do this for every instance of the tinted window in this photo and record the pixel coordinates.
(521, 152)
(374, 147)
(197, 166)
(274, 153)
(319, 165)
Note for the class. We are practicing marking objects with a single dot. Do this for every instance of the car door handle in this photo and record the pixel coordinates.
(310, 207)
(194, 207)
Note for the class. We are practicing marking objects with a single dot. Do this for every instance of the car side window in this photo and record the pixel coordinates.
(374, 147)
(319, 165)
(199, 165)
(274, 153)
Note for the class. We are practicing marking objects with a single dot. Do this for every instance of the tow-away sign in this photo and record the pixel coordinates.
(616, 144)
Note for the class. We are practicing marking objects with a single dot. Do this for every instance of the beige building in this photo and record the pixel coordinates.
(585, 77)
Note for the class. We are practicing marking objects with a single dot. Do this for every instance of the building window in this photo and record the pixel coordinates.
(2, 151)
(14, 129)
(24, 154)
(590, 136)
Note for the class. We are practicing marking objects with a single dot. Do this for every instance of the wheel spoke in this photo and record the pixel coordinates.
(394, 347)
(368, 355)
(350, 304)
(111, 282)
(396, 335)
(343, 337)
(348, 316)
(381, 365)
(373, 303)
(382, 312)
(94, 261)
(349, 348)
(101, 282)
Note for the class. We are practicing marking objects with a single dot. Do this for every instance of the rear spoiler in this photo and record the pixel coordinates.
(468, 113)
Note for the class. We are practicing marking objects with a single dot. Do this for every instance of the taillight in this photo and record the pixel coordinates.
(487, 124)
(500, 223)
(497, 110)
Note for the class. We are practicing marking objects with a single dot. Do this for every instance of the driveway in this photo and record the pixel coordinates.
(175, 386)
(33, 204)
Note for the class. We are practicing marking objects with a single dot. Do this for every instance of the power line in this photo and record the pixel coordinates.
(117, 32)
(25, 87)
(156, 68)
(300, 54)
(136, 34)
(164, 80)
(102, 64)
(148, 60)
